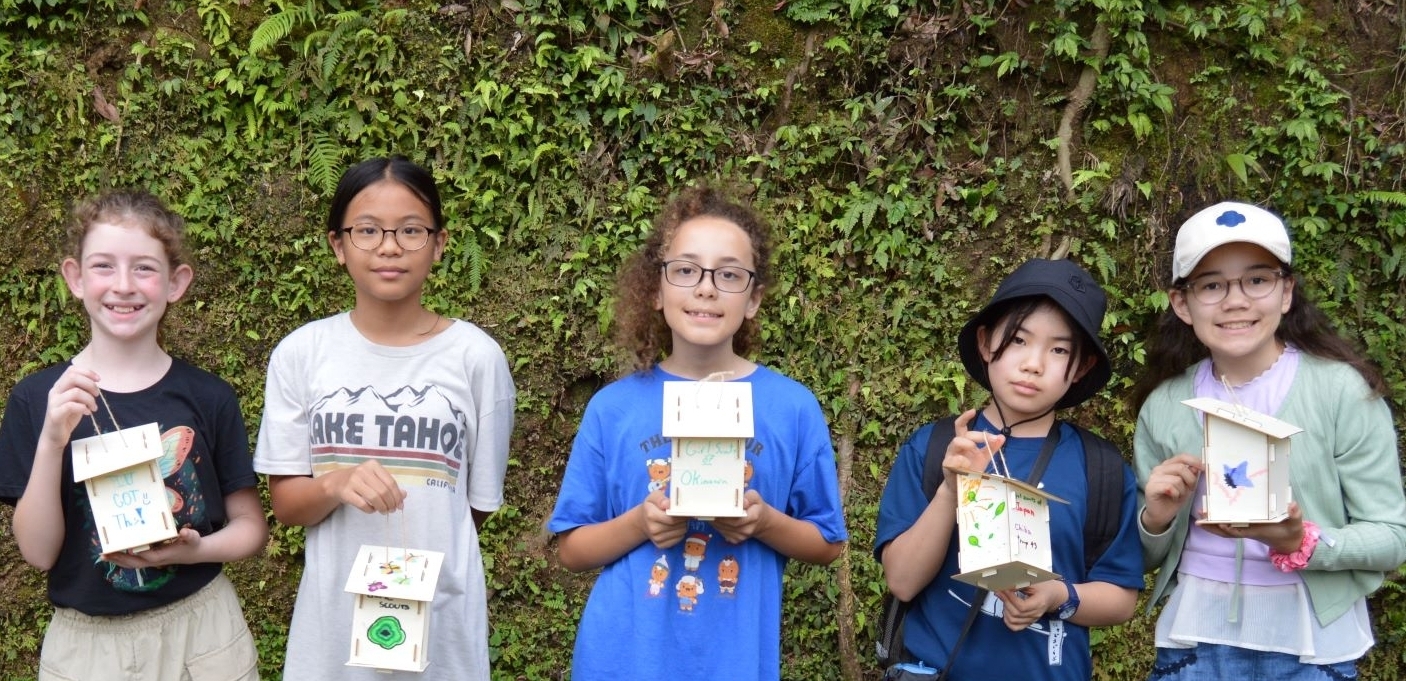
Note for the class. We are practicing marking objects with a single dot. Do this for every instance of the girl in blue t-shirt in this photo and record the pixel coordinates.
(1035, 347)
(164, 610)
(681, 597)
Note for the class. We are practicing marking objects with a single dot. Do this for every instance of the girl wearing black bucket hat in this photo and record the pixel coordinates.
(1035, 347)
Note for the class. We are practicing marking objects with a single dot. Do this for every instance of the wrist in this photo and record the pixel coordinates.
(1070, 605)
(1298, 559)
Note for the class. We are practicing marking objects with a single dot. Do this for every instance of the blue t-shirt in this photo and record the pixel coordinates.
(704, 608)
(1050, 648)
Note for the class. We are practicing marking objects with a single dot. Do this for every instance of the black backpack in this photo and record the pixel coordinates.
(1104, 467)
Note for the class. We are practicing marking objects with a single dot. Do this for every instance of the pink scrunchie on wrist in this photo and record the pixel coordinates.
(1298, 560)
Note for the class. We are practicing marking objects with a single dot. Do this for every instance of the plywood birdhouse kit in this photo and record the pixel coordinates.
(393, 590)
(1003, 528)
(1245, 455)
(121, 472)
(709, 423)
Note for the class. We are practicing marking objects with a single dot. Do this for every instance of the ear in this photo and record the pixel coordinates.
(1084, 368)
(1180, 305)
(180, 281)
(1288, 296)
(754, 302)
(441, 240)
(73, 276)
(983, 338)
(334, 239)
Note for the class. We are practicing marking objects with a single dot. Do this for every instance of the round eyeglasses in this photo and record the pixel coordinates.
(1211, 289)
(729, 279)
(369, 237)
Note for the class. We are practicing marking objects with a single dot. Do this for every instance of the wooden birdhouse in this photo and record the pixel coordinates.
(121, 471)
(1003, 526)
(709, 423)
(391, 611)
(1246, 458)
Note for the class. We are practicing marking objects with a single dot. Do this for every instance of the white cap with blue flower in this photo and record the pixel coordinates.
(1226, 223)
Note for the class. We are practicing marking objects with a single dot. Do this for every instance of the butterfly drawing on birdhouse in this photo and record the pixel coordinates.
(1235, 477)
(390, 567)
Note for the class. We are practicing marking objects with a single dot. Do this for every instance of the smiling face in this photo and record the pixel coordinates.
(125, 280)
(702, 318)
(1239, 331)
(1033, 372)
(387, 274)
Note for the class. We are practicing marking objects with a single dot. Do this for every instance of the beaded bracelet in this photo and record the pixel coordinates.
(1298, 560)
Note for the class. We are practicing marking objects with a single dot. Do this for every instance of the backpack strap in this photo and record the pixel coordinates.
(1103, 464)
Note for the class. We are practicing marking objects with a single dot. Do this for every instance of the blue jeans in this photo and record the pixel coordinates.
(1211, 661)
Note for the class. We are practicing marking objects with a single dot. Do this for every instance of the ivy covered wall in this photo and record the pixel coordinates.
(909, 153)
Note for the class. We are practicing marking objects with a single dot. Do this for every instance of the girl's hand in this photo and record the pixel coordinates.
(740, 529)
(663, 529)
(1024, 607)
(1284, 536)
(1170, 486)
(73, 397)
(969, 449)
(183, 550)
(369, 487)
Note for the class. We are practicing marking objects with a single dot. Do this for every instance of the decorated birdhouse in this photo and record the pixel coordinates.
(393, 590)
(1246, 458)
(121, 472)
(709, 423)
(1003, 530)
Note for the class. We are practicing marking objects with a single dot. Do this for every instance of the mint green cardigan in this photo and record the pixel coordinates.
(1345, 473)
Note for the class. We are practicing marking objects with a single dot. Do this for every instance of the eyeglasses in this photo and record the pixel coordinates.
(687, 274)
(1209, 290)
(369, 237)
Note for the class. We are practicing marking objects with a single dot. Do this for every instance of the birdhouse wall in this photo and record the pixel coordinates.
(707, 477)
(1247, 474)
(390, 633)
(130, 508)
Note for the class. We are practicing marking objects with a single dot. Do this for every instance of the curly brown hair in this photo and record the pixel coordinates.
(639, 327)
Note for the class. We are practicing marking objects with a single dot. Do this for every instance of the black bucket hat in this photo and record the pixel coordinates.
(1074, 290)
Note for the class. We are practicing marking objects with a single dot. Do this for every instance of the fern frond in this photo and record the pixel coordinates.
(279, 26)
(324, 158)
(1383, 197)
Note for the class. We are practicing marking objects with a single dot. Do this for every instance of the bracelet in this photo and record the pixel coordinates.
(1298, 560)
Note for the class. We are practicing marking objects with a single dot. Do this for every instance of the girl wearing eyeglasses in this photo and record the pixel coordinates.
(1283, 600)
(680, 597)
(388, 424)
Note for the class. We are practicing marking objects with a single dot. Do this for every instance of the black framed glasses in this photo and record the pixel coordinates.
(1211, 289)
(687, 274)
(369, 237)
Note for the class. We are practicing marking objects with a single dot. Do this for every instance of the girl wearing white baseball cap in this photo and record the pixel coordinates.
(1285, 600)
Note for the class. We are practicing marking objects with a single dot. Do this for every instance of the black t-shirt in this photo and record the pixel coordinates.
(206, 458)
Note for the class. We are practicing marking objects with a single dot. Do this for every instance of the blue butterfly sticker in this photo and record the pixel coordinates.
(1236, 477)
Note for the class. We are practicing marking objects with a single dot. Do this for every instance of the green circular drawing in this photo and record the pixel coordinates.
(386, 632)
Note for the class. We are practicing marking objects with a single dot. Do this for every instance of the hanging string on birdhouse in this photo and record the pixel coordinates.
(98, 429)
(1234, 398)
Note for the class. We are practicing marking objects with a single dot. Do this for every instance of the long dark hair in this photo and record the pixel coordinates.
(641, 329)
(1174, 346)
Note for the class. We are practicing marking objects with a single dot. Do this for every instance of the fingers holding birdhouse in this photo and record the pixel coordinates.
(371, 488)
(73, 397)
(970, 450)
(1171, 484)
(663, 529)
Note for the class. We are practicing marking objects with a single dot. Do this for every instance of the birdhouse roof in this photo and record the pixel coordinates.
(1243, 416)
(712, 409)
(1018, 484)
(113, 451)
(391, 572)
